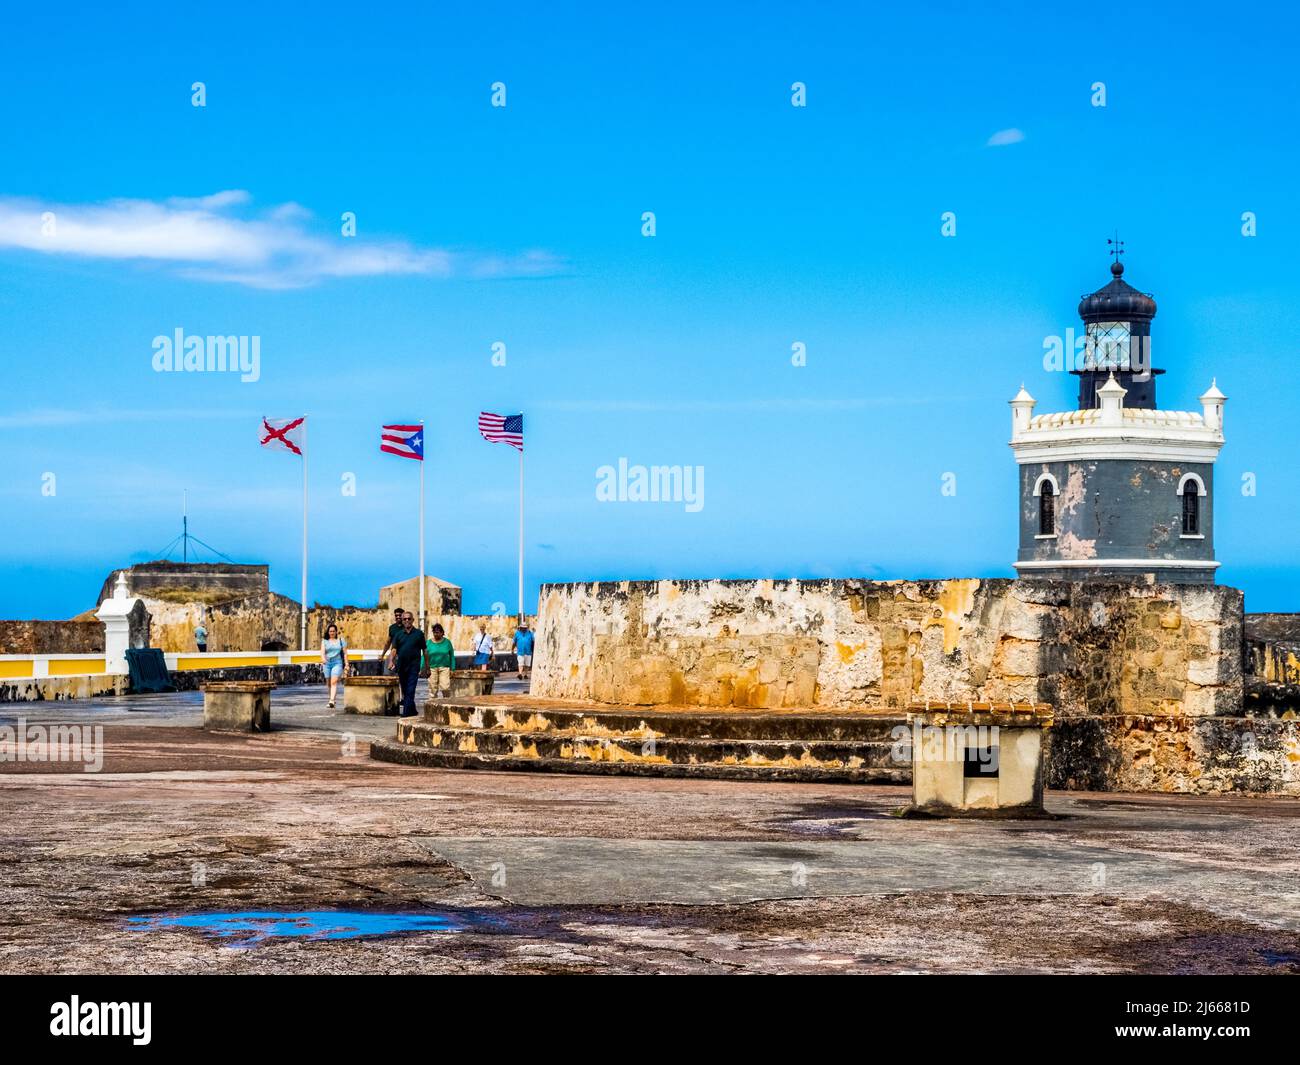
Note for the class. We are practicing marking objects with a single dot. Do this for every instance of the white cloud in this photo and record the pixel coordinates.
(229, 198)
(1005, 136)
(208, 239)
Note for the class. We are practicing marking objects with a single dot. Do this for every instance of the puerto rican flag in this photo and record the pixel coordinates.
(406, 441)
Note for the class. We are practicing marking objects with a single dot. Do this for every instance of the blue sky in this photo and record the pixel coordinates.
(522, 225)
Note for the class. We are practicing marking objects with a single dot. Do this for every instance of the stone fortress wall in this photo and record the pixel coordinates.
(184, 582)
(273, 621)
(1084, 648)
(241, 613)
(1146, 680)
(51, 637)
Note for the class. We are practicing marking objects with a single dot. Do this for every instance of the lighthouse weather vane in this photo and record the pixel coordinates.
(1116, 246)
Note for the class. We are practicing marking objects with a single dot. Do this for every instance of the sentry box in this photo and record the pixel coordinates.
(978, 759)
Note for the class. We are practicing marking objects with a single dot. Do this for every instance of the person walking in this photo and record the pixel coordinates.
(524, 649)
(407, 658)
(393, 630)
(483, 648)
(441, 660)
(334, 658)
(201, 637)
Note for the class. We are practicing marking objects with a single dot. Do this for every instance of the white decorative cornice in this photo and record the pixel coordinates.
(1117, 563)
(1132, 416)
(1166, 435)
(1099, 447)
(1117, 432)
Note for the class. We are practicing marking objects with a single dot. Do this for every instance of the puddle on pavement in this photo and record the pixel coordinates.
(1274, 957)
(247, 928)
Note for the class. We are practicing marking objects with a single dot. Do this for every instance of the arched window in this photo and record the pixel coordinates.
(1046, 509)
(1191, 488)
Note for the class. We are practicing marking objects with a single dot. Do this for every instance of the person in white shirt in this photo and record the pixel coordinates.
(483, 649)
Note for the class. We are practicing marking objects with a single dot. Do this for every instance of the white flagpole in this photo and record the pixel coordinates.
(521, 534)
(422, 443)
(303, 633)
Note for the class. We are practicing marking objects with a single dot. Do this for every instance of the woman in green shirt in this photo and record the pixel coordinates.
(440, 660)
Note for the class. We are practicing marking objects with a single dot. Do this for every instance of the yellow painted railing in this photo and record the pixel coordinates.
(93, 665)
(73, 667)
(219, 661)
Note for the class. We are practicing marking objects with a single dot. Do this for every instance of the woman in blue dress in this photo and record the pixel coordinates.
(334, 657)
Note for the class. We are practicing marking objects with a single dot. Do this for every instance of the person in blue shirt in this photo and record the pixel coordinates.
(524, 649)
(334, 658)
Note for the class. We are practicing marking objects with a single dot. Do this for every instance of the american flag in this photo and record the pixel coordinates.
(404, 440)
(502, 428)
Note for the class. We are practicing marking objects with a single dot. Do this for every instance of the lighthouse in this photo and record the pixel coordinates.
(1118, 489)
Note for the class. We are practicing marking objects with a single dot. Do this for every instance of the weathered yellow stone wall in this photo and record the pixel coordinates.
(1164, 649)
(171, 624)
(1176, 753)
(441, 598)
(364, 628)
(1276, 663)
(253, 623)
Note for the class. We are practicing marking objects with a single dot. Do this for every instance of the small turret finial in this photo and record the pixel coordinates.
(1116, 250)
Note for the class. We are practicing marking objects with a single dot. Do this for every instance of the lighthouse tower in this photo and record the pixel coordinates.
(1117, 489)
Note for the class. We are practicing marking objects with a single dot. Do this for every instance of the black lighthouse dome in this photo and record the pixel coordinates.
(1117, 320)
(1117, 301)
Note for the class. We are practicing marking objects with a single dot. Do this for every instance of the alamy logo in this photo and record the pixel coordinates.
(179, 353)
(53, 743)
(103, 1018)
(651, 484)
(946, 743)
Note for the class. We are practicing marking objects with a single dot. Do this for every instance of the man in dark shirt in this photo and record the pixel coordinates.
(393, 630)
(408, 657)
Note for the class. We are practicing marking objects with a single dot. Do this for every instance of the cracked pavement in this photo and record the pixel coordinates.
(607, 874)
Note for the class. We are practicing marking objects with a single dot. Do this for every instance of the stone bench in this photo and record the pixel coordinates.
(470, 682)
(378, 696)
(237, 705)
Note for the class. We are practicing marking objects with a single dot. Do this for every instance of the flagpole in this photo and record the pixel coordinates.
(422, 443)
(303, 630)
(521, 534)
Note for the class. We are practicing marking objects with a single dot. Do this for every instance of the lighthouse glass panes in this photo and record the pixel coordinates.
(1108, 346)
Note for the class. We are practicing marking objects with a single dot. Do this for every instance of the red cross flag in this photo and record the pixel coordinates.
(284, 434)
(290, 434)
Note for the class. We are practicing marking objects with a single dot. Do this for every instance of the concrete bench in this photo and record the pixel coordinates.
(376, 696)
(237, 705)
(469, 682)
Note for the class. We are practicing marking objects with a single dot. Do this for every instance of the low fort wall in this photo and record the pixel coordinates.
(51, 637)
(1087, 649)
(182, 582)
(271, 621)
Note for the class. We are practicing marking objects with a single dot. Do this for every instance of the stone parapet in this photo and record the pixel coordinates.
(1082, 647)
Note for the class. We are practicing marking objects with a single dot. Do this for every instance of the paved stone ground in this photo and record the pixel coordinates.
(580, 874)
